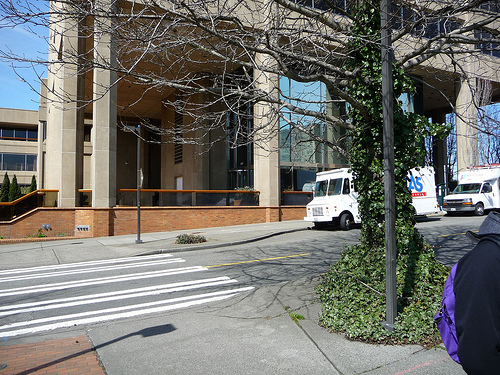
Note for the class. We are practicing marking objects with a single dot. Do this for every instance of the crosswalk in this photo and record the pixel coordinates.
(46, 298)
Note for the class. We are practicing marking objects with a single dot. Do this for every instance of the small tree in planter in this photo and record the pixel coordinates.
(14, 190)
(33, 186)
(4, 193)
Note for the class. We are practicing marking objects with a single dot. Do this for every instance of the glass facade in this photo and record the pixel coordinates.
(301, 156)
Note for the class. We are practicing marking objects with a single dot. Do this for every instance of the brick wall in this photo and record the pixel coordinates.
(289, 213)
(100, 222)
(61, 221)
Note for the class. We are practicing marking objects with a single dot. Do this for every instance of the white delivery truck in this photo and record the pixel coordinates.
(477, 190)
(336, 201)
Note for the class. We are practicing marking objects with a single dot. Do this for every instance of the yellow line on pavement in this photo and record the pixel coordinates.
(258, 260)
(457, 234)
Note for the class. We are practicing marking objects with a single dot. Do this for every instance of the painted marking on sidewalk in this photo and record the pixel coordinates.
(115, 296)
(89, 270)
(442, 359)
(83, 264)
(258, 260)
(116, 313)
(97, 281)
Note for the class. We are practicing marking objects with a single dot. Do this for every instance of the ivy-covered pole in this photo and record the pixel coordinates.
(389, 185)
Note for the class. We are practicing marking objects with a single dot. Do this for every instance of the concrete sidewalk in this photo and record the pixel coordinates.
(251, 334)
(62, 251)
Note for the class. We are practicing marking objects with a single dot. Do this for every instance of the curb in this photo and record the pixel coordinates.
(11, 241)
(224, 244)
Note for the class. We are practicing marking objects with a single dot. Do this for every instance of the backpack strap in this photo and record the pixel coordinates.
(472, 236)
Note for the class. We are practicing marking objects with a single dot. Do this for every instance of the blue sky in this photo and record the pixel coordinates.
(14, 93)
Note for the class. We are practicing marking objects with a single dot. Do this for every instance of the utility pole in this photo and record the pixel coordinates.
(390, 201)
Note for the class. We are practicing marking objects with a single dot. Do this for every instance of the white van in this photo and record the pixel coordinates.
(477, 191)
(336, 200)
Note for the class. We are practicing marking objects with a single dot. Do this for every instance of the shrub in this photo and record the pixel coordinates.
(38, 234)
(353, 296)
(190, 239)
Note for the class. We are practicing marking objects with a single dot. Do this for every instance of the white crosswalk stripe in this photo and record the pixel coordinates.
(86, 270)
(81, 264)
(54, 297)
(101, 280)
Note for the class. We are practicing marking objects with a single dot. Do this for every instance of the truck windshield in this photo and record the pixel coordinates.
(334, 187)
(321, 188)
(467, 189)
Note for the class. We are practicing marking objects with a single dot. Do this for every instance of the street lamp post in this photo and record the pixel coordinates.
(137, 131)
(139, 183)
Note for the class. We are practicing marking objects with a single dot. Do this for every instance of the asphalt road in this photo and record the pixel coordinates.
(318, 249)
(43, 299)
(447, 235)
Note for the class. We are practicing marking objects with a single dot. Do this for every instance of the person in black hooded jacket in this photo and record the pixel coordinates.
(477, 302)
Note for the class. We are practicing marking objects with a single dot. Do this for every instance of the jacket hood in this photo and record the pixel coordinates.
(490, 225)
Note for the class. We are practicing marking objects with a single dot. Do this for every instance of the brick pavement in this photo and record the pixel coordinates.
(73, 355)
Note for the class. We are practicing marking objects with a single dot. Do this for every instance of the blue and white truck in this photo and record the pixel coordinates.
(336, 200)
(478, 190)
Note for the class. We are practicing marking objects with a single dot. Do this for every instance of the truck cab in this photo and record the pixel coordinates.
(335, 200)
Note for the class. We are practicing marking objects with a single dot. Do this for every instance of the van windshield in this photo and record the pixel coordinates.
(467, 189)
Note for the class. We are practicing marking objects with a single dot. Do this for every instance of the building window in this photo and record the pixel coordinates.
(239, 123)
(18, 162)
(44, 130)
(487, 48)
(492, 6)
(179, 120)
(19, 134)
(87, 133)
(322, 5)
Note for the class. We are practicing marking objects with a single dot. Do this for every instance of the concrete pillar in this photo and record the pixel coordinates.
(103, 161)
(266, 141)
(466, 123)
(65, 86)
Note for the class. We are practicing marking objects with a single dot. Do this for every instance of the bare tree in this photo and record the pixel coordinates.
(226, 64)
(223, 49)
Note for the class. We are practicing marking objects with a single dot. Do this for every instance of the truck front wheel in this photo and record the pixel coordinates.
(479, 209)
(345, 221)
